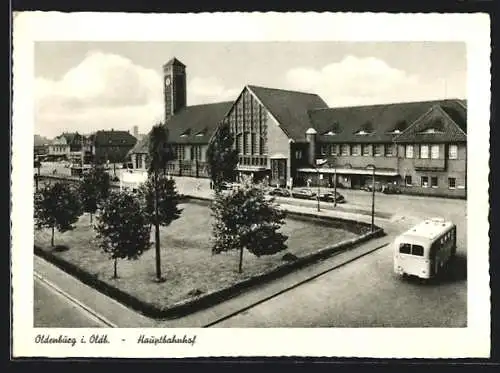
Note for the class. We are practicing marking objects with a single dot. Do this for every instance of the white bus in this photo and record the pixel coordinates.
(425, 249)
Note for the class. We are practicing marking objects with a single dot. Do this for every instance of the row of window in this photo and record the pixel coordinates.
(424, 182)
(253, 161)
(251, 144)
(433, 149)
(447, 237)
(388, 150)
(195, 153)
(406, 248)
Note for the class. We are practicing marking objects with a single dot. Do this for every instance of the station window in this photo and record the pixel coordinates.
(452, 182)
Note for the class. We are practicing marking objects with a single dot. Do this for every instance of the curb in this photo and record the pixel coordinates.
(189, 306)
(296, 285)
(75, 301)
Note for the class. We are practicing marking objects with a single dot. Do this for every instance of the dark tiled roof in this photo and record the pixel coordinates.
(191, 125)
(384, 119)
(114, 138)
(290, 108)
(434, 126)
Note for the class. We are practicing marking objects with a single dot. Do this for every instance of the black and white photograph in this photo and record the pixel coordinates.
(187, 189)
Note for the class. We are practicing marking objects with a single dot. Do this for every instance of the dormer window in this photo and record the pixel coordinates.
(363, 133)
(186, 133)
(430, 131)
(200, 134)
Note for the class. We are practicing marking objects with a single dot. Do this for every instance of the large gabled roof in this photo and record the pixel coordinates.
(114, 138)
(435, 126)
(378, 123)
(290, 108)
(191, 125)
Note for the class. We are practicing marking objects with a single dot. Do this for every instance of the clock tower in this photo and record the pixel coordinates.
(174, 87)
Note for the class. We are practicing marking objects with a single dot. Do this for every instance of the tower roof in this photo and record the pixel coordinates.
(174, 61)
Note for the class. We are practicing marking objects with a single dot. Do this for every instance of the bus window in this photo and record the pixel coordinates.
(405, 248)
(417, 250)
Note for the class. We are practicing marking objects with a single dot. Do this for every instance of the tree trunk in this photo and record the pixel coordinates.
(157, 231)
(90, 218)
(115, 274)
(114, 169)
(240, 266)
(52, 238)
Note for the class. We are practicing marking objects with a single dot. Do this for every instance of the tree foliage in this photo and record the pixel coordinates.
(222, 158)
(94, 189)
(247, 218)
(159, 151)
(57, 206)
(122, 228)
(168, 200)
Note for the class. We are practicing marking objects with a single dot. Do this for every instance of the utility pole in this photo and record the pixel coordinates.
(373, 198)
(335, 186)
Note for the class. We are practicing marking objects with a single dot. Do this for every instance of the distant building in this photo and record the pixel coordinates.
(112, 146)
(59, 148)
(281, 135)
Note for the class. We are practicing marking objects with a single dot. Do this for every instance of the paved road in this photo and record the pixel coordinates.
(52, 309)
(366, 293)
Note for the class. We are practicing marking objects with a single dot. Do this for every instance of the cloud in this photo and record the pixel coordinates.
(355, 81)
(103, 91)
(209, 89)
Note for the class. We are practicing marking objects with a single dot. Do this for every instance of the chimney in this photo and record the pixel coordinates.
(311, 139)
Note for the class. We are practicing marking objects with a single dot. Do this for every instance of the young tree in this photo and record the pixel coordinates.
(222, 158)
(94, 189)
(159, 155)
(246, 218)
(168, 200)
(57, 206)
(122, 228)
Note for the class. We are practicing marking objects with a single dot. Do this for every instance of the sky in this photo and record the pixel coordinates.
(87, 86)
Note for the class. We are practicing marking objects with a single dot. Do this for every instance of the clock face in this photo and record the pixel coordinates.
(167, 81)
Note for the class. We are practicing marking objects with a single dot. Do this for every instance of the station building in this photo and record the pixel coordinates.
(290, 138)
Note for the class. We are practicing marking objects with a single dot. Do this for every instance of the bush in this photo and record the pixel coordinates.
(122, 230)
(246, 218)
(57, 206)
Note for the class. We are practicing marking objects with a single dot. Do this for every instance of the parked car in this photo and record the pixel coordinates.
(303, 194)
(369, 186)
(280, 192)
(391, 189)
(329, 197)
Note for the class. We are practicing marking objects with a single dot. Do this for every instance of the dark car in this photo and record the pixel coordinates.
(330, 197)
(303, 194)
(280, 192)
(391, 189)
(369, 186)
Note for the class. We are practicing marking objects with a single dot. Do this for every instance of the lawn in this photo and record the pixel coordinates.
(187, 262)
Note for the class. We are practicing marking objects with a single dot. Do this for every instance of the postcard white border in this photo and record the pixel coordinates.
(473, 29)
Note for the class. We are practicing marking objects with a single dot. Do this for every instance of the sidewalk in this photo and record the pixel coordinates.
(199, 188)
(123, 317)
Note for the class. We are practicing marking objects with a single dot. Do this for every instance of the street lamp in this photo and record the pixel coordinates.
(335, 186)
(319, 162)
(373, 197)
